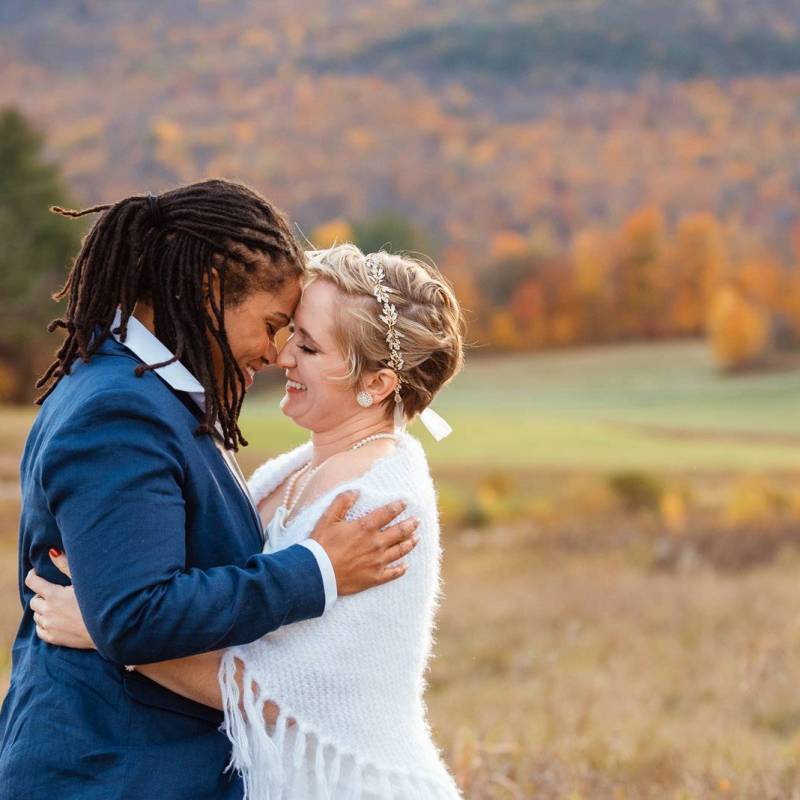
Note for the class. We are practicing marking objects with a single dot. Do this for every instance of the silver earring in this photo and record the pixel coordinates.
(364, 399)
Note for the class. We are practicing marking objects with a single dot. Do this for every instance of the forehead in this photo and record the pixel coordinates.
(317, 309)
(283, 301)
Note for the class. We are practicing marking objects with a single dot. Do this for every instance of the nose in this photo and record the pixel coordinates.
(285, 358)
(271, 353)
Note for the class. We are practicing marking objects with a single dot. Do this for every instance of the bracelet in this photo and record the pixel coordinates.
(130, 668)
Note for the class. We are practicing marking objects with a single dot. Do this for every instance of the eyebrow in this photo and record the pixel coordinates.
(309, 337)
(279, 316)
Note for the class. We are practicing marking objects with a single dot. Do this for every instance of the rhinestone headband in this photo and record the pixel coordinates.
(437, 427)
(389, 318)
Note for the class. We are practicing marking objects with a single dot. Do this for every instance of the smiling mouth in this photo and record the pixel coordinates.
(295, 386)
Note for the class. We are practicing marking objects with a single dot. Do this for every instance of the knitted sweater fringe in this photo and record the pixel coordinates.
(349, 685)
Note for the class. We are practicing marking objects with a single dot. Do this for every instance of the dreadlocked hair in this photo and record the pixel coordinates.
(167, 251)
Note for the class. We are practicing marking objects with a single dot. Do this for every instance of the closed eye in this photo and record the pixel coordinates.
(303, 347)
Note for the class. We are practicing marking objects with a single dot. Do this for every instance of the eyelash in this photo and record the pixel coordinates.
(301, 346)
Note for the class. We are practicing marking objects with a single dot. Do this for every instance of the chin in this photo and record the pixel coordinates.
(287, 413)
(284, 402)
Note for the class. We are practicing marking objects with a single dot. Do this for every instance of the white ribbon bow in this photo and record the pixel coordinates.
(437, 427)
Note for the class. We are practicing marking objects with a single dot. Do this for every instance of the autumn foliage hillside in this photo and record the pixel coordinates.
(584, 171)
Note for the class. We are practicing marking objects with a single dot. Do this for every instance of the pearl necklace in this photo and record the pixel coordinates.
(310, 473)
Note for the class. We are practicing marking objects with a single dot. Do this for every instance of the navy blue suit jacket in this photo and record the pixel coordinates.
(160, 538)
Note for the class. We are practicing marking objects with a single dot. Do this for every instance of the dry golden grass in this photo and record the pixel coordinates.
(590, 673)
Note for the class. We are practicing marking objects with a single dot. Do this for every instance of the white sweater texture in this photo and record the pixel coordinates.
(350, 684)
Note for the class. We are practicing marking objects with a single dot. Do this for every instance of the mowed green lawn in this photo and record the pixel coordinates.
(661, 406)
(651, 406)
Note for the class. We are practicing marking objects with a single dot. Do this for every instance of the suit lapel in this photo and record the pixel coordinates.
(233, 467)
(142, 346)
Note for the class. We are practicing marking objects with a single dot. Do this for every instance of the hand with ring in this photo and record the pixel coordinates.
(55, 609)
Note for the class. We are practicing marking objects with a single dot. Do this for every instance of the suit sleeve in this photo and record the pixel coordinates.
(114, 482)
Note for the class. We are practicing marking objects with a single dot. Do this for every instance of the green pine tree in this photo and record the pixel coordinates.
(36, 248)
(388, 231)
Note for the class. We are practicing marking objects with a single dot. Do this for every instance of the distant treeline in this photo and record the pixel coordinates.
(645, 277)
(641, 280)
(582, 49)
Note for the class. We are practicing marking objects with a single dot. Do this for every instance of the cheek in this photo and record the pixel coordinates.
(333, 394)
(339, 399)
(233, 333)
(252, 343)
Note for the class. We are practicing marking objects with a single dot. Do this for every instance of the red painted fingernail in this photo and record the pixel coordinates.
(54, 552)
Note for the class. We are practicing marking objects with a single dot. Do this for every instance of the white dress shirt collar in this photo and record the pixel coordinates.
(151, 350)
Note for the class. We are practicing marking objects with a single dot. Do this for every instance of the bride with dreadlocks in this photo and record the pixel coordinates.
(333, 706)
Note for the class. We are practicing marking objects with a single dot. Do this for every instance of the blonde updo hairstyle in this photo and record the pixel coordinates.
(430, 322)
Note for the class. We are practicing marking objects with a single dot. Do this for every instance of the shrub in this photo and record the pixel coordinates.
(637, 490)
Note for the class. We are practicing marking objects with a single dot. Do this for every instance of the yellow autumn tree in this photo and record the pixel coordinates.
(170, 147)
(333, 232)
(503, 332)
(738, 328)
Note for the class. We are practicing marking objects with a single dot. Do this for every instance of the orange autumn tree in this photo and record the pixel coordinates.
(527, 311)
(791, 301)
(641, 275)
(592, 261)
(698, 262)
(508, 246)
(762, 280)
(455, 265)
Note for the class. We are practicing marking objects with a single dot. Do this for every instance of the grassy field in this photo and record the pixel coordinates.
(594, 647)
(657, 407)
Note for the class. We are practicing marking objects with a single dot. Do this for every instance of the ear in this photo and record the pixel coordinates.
(207, 295)
(380, 384)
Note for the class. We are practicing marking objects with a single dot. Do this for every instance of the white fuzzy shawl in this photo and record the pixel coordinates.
(349, 684)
